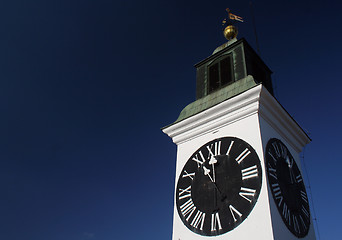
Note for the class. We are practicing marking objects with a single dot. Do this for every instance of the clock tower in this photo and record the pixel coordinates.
(238, 173)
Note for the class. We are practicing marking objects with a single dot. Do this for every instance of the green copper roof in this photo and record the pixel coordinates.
(217, 97)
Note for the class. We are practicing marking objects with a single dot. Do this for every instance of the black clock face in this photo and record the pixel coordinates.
(218, 186)
(287, 186)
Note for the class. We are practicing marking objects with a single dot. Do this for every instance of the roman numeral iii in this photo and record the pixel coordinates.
(249, 172)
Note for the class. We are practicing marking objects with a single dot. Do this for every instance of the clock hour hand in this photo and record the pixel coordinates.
(207, 173)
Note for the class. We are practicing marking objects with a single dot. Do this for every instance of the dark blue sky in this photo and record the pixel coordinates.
(85, 87)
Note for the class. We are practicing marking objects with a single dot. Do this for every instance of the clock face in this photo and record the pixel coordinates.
(218, 186)
(287, 187)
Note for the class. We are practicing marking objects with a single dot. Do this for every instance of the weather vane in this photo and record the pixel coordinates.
(230, 30)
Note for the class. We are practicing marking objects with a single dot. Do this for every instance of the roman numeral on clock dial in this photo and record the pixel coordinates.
(295, 224)
(215, 222)
(271, 155)
(243, 155)
(214, 149)
(187, 209)
(190, 175)
(299, 178)
(276, 189)
(279, 150)
(229, 148)
(272, 172)
(185, 193)
(287, 213)
(306, 212)
(199, 158)
(277, 193)
(283, 151)
(303, 223)
(235, 213)
(198, 220)
(247, 193)
(304, 196)
(249, 172)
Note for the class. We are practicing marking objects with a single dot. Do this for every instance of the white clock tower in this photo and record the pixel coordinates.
(238, 170)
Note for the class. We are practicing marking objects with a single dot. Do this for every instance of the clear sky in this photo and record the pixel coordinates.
(85, 87)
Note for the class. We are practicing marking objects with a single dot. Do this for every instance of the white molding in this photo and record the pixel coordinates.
(255, 100)
(222, 114)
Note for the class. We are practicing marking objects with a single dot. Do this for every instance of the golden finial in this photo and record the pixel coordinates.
(231, 31)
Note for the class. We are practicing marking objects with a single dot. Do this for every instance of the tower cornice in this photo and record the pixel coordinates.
(224, 113)
(256, 100)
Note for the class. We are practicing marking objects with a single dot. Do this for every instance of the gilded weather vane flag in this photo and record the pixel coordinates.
(232, 17)
(230, 31)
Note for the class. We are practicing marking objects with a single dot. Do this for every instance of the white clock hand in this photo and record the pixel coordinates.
(212, 160)
(212, 163)
(207, 172)
(290, 165)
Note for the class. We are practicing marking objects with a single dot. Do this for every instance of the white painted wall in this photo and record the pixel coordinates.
(253, 116)
(279, 228)
(258, 224)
